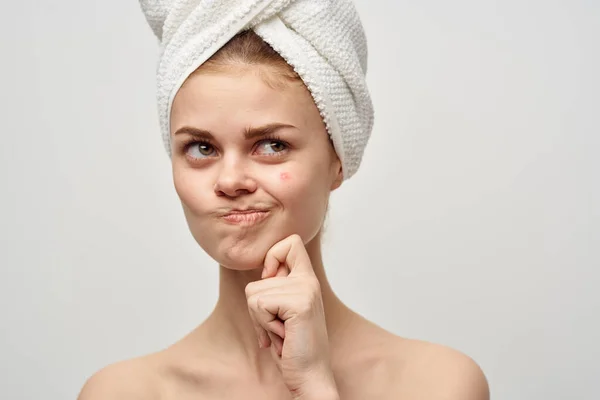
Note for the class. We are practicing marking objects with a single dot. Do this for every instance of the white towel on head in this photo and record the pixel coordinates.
(323, 40)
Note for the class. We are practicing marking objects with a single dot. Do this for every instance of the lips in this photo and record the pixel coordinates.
(245, 217)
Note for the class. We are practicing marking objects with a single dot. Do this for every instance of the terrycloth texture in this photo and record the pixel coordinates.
(323, 40)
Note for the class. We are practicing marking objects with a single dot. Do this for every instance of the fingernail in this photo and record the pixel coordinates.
(260, 346)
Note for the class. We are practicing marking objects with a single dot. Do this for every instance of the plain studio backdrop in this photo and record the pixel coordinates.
(473, 221)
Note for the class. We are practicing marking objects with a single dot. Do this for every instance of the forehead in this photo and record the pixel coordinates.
(236, 98)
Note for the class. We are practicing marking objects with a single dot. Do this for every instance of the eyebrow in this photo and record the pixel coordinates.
(249, 133)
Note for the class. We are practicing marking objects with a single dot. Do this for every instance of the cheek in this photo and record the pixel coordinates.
(190, 188)
(285, 184)
(301, 193)
(284, 176)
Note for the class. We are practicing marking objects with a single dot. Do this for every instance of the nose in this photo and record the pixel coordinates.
(233, 179)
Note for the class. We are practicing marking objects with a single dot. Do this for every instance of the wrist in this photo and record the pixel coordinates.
(322, 393)
(317, 389)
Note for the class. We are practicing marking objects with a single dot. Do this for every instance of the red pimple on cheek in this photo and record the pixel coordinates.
(284, 176)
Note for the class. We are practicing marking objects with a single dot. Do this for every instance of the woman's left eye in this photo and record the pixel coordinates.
(270, 147)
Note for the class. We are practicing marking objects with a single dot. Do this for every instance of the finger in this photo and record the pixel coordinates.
(270, 268)
(268, 284)
(261, 333)
(264, 310)
(264, 340)
(282, 271)
(277, 308)
(277, 344)
(290, 252)
(271, 264)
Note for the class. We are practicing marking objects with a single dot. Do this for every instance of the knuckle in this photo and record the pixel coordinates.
(249, 289)
(260, 302)
(316, 285)
(253, 302)
(313, 286)
(305, 306)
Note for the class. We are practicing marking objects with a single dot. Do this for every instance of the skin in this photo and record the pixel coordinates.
(278, 331)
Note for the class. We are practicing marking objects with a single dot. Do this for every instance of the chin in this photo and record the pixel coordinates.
(245, 249)
(241, 253)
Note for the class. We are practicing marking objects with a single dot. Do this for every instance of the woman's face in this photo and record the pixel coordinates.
(252, 164)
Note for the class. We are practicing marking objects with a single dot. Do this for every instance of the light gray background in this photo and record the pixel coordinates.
(473, 221)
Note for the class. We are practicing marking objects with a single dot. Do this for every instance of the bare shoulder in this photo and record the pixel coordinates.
(433, 371)
(377, 364)
(126, 380)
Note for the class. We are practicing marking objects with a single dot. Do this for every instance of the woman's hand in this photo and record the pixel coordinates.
(287, 310)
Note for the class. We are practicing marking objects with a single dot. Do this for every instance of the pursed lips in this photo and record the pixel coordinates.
(245, 217)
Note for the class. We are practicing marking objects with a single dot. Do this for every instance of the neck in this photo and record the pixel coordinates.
(230, 322)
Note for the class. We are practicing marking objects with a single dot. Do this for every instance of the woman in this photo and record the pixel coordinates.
(254, 162)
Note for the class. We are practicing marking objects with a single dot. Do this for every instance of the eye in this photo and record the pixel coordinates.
(270, 147)
(200, 150)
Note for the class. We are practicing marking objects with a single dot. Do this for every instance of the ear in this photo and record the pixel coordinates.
(338, 174)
